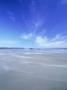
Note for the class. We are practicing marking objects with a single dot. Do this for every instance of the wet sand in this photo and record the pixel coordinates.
(20, 71)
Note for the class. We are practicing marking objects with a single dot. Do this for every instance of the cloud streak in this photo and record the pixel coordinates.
(58, 41)
(27, 36)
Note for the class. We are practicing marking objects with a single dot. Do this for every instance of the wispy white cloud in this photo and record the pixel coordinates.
(58, 41)
(38, 24)
(26, 36)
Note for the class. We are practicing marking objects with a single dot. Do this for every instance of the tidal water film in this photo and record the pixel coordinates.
(33, 69)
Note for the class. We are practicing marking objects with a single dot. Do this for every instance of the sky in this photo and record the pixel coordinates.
(33, 23)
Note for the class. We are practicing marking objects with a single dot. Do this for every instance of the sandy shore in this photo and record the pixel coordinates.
(20, 71)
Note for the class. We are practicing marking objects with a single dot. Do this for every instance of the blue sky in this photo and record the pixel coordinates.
(33, 23)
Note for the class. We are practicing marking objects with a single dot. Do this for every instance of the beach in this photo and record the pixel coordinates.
(33, 71)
